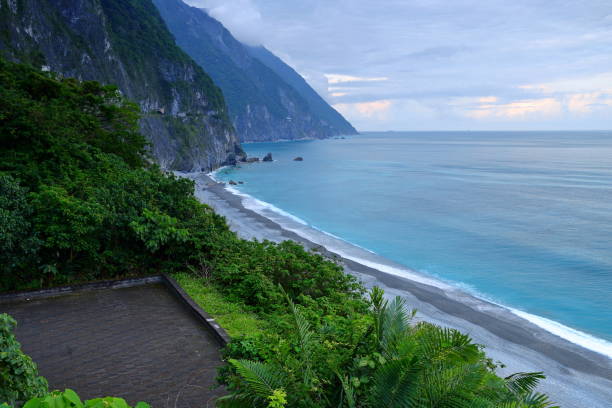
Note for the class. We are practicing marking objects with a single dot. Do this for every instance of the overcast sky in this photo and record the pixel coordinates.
(442, 64)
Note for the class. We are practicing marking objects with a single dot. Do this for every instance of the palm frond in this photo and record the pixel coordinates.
(538, 400)
(445, 345)
(394, 384)
(261, 379)
(348, 392)
(523, 383)
(306, 340)
(395, 324)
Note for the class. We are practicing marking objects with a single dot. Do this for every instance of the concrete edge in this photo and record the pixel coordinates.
(207, 320)
(218, 331)
(66, 290)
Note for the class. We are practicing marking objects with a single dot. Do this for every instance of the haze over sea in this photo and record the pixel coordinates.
(523, 219)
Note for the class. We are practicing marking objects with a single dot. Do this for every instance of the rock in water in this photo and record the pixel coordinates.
(232, 183)
(268, 157)
(299, 158)
(252, 159)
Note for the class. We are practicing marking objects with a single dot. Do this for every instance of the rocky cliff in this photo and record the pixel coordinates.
(126, 42)
(317, 105)
(263, 105)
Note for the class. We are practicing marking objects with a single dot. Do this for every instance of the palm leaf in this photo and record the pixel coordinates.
(348, 392)
(538, 400)
(261, 379)
(394, 384)
(306, 340)
(523, 383)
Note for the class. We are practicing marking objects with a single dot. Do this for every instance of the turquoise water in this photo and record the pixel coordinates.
(520, 218)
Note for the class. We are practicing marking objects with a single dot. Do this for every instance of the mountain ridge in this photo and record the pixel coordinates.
(263, 105)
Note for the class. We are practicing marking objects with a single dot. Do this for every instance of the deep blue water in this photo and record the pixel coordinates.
(521, 218)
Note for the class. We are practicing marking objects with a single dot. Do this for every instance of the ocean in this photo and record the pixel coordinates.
(521, 219)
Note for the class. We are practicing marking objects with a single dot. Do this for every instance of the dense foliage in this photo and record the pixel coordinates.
(19, 379)
(70, 399)
(393, 364)
(81, 201)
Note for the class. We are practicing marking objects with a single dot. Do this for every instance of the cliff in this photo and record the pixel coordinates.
(125, 42)
(317, 105)
(263, 105)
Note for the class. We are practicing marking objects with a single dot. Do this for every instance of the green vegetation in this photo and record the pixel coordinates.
(395, 364)
(70, 399)
(82, 201)
(19, 379)
(138, 34)
(232, 316)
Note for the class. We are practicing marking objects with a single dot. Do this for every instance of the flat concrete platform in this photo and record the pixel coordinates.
(139, 343)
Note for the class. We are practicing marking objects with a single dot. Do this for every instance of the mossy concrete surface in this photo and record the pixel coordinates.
(140, 343)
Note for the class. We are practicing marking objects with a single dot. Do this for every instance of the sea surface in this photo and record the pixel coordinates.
(522, 219)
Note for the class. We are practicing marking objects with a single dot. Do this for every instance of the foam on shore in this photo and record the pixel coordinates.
(362, 256)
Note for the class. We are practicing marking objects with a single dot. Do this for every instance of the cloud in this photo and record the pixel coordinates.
(488, 99)
(441, 63)
(241, 17)
(341, 79)
(522, 110)
(595, 82)
(586, 103)
(372, 110)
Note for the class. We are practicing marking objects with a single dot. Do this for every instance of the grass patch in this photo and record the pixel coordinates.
(231, 316)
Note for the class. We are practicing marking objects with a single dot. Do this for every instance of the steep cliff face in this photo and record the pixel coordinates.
(125, 42)
(318, 106)
(262, 105)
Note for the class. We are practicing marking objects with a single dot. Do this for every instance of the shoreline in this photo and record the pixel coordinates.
(576, 376)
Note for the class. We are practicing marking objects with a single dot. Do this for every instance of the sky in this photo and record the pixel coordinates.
(442, 64)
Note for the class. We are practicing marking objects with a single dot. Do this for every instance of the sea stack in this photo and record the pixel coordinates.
(268, 157)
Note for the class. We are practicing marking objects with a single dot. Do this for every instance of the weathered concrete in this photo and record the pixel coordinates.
(140, 343)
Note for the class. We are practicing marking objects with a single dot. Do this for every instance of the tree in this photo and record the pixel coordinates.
(19, 244)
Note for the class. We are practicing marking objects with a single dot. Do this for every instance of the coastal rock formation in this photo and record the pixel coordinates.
(252, 159)
(299, 158)
(267, 99)
(126, 42)
(232, 183)
(267, 157)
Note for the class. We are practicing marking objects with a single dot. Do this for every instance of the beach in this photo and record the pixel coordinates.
(576, 377)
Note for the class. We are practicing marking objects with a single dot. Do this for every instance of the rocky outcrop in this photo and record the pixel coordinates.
(267, 157)
(298, 159)
(126, 42)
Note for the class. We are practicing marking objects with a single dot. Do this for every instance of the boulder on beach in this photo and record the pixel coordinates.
(268, 157)
(299, 158)
(232, 182)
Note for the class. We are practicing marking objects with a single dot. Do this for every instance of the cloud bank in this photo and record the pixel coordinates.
(435, 64)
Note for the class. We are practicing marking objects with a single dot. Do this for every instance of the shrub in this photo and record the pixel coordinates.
(70, 399)
(19, 379)
(397, 364)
